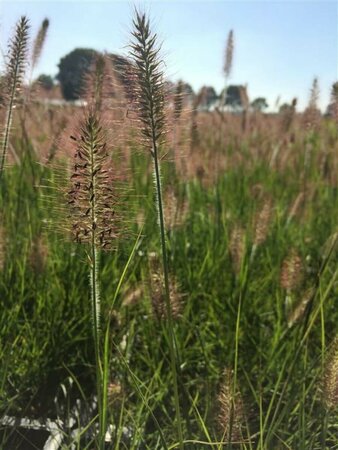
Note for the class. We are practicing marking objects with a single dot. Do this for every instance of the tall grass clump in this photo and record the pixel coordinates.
(149, 95)
(235, 226)
(92, 202)
(15, 69)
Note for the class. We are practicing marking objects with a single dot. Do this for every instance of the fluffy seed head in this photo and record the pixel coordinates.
(157, 291)
(237, 247)
(291, 273)
(17, 56)
(15, 69)
(262, 223)
(231, 410)
(149, 86)
(91, 198)
(330, 380)
(39, 41)
(229, 51)
(299, 308)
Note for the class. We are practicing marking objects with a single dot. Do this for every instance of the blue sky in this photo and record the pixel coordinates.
(280, 46)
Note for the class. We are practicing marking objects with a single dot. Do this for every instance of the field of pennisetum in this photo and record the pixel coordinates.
(168, 277)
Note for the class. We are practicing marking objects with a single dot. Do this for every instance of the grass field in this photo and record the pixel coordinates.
(251, 208)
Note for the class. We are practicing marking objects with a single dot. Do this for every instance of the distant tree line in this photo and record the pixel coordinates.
(74, 66)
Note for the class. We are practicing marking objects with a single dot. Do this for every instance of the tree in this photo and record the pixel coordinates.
(286, 107)
(206, 96)
(229, 53)
(236, 96)
(334, 91)
(332, 109)
(72, 70)
(45, 81)
(259, 104)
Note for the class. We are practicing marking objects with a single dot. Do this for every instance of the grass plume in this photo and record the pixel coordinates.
(262, 222)
(231, 411)
(299, 308)
(157, 291)
(237, 248)
(39, 42)
(91, 196)
(144, 51)
(149, 90)
(291, 272)
(330, 382)
(92, 201)
(229, 53)
(15, 70)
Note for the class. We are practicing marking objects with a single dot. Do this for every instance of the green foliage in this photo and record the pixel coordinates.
(248, 368)
(235, 97)
(45, 81)
(286, 107)
(72, 70)
(332, 109)
(334, 92)
(45, 326)
(74, 67)
(206, 96)
(259, 104)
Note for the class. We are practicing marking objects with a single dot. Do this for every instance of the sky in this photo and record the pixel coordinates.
(279, 46)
